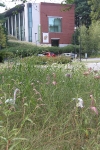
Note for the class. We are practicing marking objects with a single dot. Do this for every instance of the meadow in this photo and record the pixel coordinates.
(45, 115)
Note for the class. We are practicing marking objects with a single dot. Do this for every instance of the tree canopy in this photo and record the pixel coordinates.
(2, 5)
(95, 9)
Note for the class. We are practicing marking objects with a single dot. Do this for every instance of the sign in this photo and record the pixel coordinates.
(85, 55)
(45, 37)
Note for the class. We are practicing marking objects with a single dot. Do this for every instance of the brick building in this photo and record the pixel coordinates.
(41, 23)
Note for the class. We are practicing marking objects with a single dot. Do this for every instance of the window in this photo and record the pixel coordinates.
(21, 26)
(30, 22)
(55, 24)
(10, 25)
(17, 25)
(14, 25)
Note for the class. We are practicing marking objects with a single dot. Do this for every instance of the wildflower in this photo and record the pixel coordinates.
(97, 76)
(86, 73)
(79, 103)
(39, 99)
(0, 102)
(92, 107)
(32, 83)
(90, 69)
(54, 83)
(68, 75)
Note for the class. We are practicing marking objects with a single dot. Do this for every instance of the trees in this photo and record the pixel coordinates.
(83, 9)
(2, 5)
(3, 37)
(94, 34)
(95, 9)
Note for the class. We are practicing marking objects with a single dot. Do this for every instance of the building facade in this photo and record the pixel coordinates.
(41, 23)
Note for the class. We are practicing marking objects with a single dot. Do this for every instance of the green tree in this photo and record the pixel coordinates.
(94, 34)
(3, 35)
(75, 39)
(83, 9)
(85, 40)
(95, 9)
(2, 5)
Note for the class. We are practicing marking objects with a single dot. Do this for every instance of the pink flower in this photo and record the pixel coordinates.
(86, 73)
(94, 109)
(68, 75)
(97, 77)
(54, 83)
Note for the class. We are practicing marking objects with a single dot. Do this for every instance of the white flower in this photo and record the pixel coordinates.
(80, 103)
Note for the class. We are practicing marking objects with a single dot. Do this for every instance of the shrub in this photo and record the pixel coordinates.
(3, 37)
(5, 55)
(50, 60)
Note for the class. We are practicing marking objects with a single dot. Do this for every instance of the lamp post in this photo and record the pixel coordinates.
(74, 43)
(80, 37)
(35, 39)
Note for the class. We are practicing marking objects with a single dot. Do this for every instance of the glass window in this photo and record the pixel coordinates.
(10, 26)
(14, 25)
(30, 22)
(17, 25)
(55, 24)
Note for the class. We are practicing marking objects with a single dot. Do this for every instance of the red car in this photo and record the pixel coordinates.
(49, 54)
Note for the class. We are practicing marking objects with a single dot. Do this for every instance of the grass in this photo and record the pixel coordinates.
(45, 116)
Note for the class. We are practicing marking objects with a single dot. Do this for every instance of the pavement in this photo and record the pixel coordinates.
(93, 63)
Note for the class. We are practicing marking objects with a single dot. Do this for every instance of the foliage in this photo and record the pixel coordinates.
(75, 37)
(5, 55)
(3, 37)
(89, 38)
(95, 9)
(85, 39)
(25, 49)
(2, 5)
(83, 9)
(94, 34)
(45, 115)
(51, 60)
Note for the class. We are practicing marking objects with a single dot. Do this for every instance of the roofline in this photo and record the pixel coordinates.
(13, 10)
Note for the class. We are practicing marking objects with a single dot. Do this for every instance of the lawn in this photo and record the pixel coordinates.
(45, 116)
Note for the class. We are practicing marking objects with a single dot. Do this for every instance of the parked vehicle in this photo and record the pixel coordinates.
(40, 55)
(71, 55)
(49, 54)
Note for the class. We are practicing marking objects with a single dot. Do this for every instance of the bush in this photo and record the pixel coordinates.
(5, 55)
(24, 49)
(51, 60)
(3, 37)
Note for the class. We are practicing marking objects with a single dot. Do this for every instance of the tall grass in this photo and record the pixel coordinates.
(45, 116)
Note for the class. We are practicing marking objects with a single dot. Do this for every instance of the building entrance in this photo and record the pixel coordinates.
(55, 42)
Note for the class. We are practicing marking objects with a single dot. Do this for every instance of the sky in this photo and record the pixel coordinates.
(9, 4)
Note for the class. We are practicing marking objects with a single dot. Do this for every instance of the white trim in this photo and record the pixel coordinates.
(55, 38)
